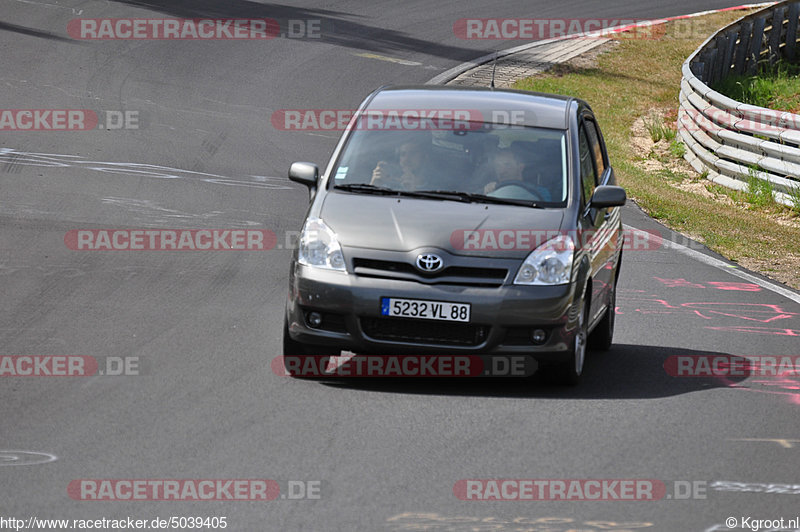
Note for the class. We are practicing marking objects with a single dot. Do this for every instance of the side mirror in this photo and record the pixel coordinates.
(608, 196)
(304, 173)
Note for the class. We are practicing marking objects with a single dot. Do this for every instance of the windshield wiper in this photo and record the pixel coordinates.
(453, 195)
(438, 194)
(374, 189)
(366, 187)
(478, 198)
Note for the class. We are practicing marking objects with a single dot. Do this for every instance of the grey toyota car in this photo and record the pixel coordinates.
(460, 221)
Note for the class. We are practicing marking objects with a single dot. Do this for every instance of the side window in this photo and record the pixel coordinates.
(595, 146)
(588, 177)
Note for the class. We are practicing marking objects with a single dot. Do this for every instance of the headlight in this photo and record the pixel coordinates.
(549, 264)
(319, 247)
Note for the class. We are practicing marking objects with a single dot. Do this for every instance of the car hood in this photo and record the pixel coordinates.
(404, 224)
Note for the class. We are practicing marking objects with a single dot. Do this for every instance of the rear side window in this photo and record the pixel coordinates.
(588, 176)
(595, 147)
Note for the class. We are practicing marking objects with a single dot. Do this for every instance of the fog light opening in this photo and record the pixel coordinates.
(314, 319)
(538, 336)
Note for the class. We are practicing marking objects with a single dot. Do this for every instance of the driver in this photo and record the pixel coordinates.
(508, 170)
(507, 167)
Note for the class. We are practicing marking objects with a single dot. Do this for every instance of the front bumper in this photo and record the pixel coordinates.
(501, 320)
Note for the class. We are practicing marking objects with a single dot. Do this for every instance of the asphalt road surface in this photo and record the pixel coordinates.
(199, 329)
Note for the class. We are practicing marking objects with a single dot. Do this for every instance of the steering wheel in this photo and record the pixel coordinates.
(531, 189)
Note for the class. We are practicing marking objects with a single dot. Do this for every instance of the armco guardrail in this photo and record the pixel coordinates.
(730, 140)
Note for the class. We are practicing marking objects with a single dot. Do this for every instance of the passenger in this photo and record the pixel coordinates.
(413, 170)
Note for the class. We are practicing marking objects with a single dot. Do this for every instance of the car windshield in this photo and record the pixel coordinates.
(496, 161)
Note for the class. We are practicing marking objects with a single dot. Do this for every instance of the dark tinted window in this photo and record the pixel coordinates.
(595, 147)
(588, 177)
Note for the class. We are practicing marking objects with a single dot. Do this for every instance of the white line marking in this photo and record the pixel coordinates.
(12, 157)
(23, 458)
(76, 12)
(724, 266)
(783, 442)
(387, 58)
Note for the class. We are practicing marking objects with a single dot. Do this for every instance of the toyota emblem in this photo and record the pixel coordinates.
(429, 263)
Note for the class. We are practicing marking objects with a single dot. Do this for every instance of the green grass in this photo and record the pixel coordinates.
(715, 240)
(636, 78)
(657, 129)
(794, 195)
(759, 191)
(677, 148)
(724, 191)
(774, 87)
(670, 175)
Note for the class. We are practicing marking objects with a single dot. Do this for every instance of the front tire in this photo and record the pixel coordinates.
(603, 335)
(570, 372)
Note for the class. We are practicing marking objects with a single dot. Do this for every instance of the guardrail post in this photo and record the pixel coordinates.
(730, 44)
(775, 35)
(745, 30)
(756, 43)
(791, 31)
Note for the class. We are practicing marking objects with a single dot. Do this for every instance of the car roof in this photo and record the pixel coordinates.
(515, 107)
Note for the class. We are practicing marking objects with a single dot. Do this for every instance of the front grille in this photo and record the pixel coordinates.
(424, 332)
(385, 265)
(451, 275)
(497, 274)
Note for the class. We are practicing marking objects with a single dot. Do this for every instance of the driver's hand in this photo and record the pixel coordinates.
(381, 174)
(490, 187)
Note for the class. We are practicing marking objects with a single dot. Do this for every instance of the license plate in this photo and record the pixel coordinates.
(426, 310)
